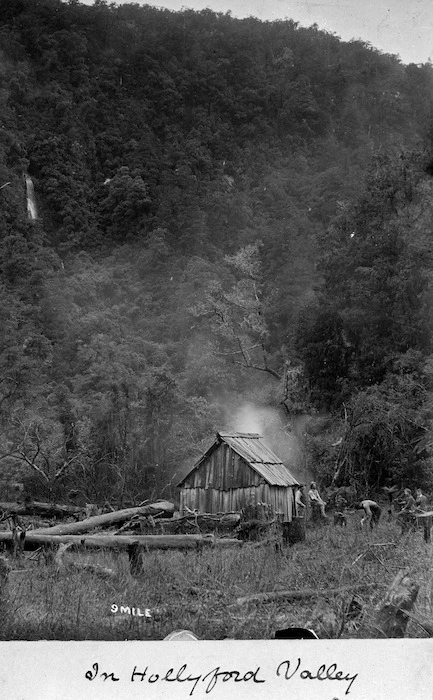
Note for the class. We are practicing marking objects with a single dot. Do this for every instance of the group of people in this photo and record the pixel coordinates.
(409, 506)
(314, 498)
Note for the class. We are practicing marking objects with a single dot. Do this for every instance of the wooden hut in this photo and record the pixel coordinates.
(238, 470)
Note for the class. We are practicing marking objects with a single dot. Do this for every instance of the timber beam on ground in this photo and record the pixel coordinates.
(42, 509)
(34, 538)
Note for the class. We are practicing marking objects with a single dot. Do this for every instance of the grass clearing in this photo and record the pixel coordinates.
(198, 591)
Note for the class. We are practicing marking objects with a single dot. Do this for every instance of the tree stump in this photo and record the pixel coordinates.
(425, 521)
(136, 565)
(316, 514)
(18, 540)
(391, 618)
(294, 531)
(48, 554)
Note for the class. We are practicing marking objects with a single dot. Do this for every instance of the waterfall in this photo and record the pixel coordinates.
(31, 200)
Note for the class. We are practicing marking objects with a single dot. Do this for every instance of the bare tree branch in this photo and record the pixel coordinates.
(34, 466)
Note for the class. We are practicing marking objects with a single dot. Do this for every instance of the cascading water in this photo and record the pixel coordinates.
(31, 200)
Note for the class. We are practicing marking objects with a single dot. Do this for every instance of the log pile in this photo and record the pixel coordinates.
(103, 531)
(191, 524)
(97, 532)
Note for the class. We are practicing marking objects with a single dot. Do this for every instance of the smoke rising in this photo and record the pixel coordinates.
(283, 435)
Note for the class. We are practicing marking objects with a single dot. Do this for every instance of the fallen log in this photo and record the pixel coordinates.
(49, 510)
(107, 519)
(392, 613)
(37, 537)
(303, 593)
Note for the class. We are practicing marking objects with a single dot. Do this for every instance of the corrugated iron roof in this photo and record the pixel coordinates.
(251, 448)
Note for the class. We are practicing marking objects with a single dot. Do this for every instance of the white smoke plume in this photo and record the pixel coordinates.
(282, 434)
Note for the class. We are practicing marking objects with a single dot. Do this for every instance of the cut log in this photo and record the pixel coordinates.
(391, 617)
(303, 593)
(39, 537)
(108, 519)
(49, 510)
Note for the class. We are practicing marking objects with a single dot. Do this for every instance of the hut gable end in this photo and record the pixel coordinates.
(238, 469)
(221, 468)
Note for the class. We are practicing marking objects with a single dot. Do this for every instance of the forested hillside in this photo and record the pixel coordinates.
(227, 211)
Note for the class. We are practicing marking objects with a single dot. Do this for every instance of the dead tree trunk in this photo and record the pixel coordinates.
(392, 618)
(301, 594)
(48, 510)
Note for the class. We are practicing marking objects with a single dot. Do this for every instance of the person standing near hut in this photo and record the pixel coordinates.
(300, 505)
(315, 500)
